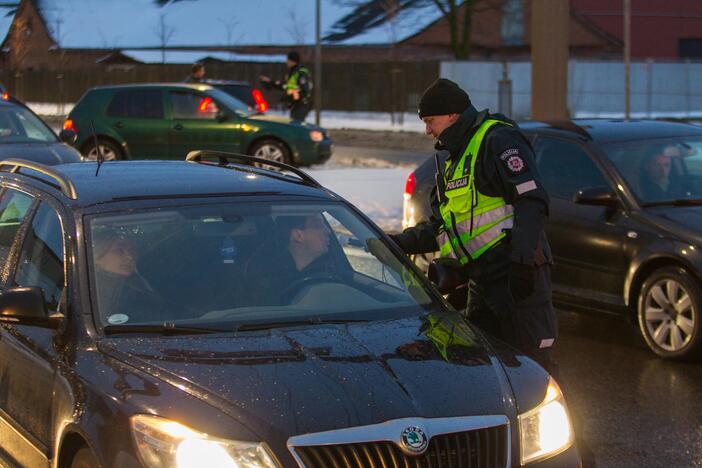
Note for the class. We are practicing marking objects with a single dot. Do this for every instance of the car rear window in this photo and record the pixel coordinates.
(141, 103)
(242, 93)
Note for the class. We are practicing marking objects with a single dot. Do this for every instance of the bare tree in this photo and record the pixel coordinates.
(164, 32)
(298, 27)
(460, 26)
(229, 30)
(458, 13)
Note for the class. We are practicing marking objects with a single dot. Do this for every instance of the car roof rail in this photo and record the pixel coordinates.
(62, 181)
(225, 157)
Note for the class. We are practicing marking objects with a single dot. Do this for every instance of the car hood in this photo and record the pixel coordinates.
(45, 153)
(291, 381)
(684, 222)
(284, 120)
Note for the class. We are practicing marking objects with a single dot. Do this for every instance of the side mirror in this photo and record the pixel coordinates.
(26, 306)
(68, 136)
(598, 196)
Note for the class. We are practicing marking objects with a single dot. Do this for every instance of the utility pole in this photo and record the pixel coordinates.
(550, 46)
(317, 68)
(627, 59)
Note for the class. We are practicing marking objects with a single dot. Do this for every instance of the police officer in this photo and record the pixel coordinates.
(296, 86)
(488, 213)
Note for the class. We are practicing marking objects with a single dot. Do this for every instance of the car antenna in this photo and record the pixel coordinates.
(99, 157)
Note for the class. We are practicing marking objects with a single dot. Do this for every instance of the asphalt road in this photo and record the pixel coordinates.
(631, 408)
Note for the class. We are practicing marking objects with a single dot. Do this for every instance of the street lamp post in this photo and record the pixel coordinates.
(317, 68)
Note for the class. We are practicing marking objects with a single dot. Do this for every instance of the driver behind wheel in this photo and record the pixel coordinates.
(306, 245)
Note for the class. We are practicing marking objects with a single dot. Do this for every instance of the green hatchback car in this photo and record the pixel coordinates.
(166, 121)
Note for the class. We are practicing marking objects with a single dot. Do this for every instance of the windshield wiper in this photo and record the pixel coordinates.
(678, 202)
(166, 328)
(291, 323)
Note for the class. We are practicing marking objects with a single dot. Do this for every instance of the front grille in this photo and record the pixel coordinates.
(480, 448)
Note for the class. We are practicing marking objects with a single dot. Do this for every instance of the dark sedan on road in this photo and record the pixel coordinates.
(24, 135)
(212, 313)
(625, 222)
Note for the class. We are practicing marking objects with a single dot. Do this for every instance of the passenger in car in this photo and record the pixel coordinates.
(123, 295)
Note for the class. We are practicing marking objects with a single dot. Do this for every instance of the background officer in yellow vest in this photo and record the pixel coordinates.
(296, 87)
(489, 209)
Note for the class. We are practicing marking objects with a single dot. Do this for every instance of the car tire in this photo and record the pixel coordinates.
(110, 151)
(84, 458)
(271, 149)
(669, 307)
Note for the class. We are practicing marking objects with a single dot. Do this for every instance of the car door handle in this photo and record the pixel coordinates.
(178, 127)
(119, 124)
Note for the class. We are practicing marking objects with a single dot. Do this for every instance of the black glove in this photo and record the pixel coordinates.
(521, 280)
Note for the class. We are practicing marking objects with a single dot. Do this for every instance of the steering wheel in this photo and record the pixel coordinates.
(295, 287)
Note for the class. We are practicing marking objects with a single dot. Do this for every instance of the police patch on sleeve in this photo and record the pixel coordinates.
(513, 161)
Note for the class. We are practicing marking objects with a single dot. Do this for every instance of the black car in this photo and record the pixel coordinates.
(24, 135)
(625, 222)
(243, 91)
(214, 313)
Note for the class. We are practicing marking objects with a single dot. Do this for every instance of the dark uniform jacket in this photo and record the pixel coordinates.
(505, 168)
(304, 82)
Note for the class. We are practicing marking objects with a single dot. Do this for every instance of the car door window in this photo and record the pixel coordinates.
(566, 168)
(192, 106)
(136, 104)
(42, 260)
(358, 256)
(14, 206)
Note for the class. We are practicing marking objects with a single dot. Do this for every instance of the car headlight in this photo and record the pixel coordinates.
(546, 430)
(316, 136)
(168, 444)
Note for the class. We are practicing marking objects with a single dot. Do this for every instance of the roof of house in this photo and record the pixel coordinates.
(7, 14)
(130, 24)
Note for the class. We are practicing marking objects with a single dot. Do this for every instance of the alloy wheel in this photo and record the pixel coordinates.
(270, 152)
(107, 152)
(669, 315)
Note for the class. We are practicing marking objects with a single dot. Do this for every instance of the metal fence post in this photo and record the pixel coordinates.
(504, 92)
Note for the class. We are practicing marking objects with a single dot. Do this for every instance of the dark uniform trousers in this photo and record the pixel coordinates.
(299, 111)
(522, 324)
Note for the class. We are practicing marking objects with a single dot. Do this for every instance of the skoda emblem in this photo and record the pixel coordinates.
(414, 440)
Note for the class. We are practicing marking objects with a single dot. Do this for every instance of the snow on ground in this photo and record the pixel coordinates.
(376, 192)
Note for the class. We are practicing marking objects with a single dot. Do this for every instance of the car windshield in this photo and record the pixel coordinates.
(229, 101)
(224, 265)
(18, 125)
(660, 170)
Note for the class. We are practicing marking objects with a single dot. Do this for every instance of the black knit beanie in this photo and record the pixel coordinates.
(443, 97)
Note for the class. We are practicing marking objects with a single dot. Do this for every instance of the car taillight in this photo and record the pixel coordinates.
(68, 125)
(409, 185)
(5, 96)
(261, 104)
(205, 105)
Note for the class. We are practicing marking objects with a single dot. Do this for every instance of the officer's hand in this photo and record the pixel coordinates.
(521, 280)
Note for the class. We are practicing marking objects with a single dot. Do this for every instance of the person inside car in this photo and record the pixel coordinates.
(657, 174)
(123, 295)
(304, 256)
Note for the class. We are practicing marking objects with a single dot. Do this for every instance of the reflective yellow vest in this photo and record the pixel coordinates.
(473, 222)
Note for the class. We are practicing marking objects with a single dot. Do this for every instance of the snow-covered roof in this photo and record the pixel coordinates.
(7, 14)
(120, 24)
(192, 56)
